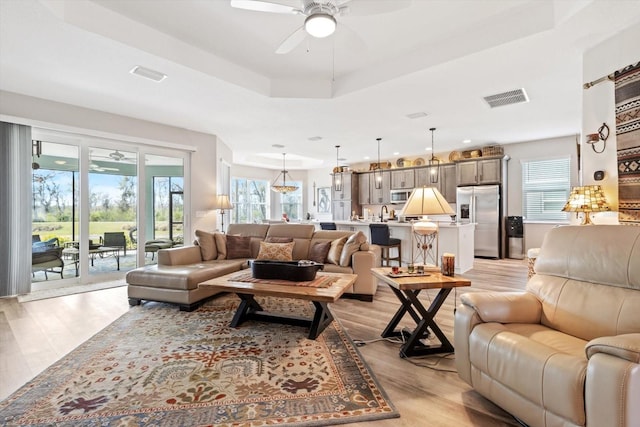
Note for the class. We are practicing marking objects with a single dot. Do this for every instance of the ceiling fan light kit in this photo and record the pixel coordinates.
(320, 25)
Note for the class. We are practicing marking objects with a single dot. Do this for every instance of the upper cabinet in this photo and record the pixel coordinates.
(446, 184)
(477, 172)
(364, 188)
(349, 188)
(402, 179)
(382, 195)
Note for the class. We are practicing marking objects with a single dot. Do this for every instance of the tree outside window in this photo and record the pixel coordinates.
(291, 203)
(250, 199)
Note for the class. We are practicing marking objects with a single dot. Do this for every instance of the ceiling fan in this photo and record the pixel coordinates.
(116, 155)
(320, 18)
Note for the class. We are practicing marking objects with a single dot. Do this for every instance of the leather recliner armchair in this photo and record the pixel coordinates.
(566, 352)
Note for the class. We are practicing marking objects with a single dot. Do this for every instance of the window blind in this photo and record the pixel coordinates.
(545, 188)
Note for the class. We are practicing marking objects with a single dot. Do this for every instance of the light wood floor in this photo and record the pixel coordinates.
(35, 334)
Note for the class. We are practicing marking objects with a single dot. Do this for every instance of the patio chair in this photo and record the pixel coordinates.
(151, 246)
(115, 239)
(46, 256)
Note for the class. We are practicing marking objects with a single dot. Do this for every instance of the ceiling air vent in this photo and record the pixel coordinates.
(147, 73)
(511, 97)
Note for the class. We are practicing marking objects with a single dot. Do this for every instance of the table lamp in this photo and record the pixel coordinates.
(222, 202)
(587, 199)
(425, 201)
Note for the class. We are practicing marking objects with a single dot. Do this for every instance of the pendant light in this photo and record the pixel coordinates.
(284, 188)
(434, 163)
(337, 172)
(377, 172)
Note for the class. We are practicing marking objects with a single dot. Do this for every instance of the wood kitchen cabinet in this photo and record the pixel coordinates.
(380, 196)
(346, 201)
(478, 172)
(402, 179)
(349, 188)
(342, 209)
(364, 188)
(446, 184)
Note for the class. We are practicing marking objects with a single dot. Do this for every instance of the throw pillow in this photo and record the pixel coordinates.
(238, 247)
(333, 257)
(221, 245)
(271, 239)
(319, 251)
(351, 246)
(207, 243)
(276, 251)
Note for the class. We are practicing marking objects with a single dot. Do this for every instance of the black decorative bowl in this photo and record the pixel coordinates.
(296, 271)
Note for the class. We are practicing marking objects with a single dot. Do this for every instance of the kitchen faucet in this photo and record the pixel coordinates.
(383, 209)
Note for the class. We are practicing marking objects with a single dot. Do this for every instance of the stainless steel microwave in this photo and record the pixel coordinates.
(400, 197)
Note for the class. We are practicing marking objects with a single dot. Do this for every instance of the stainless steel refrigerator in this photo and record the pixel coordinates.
(481, 205)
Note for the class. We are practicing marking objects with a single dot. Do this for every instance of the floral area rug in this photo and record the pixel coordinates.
(158, 366)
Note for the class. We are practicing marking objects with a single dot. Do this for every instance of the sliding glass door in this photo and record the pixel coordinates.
(113, 191)
(54, 209)
(101, 207)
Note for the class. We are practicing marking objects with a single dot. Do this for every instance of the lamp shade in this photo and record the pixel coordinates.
(426, 201)
(222, 202)
(588, 198)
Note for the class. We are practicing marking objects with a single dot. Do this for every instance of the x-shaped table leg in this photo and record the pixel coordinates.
(424, 319)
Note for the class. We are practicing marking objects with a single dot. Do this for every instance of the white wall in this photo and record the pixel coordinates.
(535, 150)
(321, 178)
(598, 106)
(46, 114)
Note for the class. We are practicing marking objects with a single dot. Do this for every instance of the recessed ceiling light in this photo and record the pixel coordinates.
(466, 141)
(427, 149)
(60, 162)
(278, 146)
(395, 153)
(367, 157)
(315, 138)
(147, 73)
(417, 115)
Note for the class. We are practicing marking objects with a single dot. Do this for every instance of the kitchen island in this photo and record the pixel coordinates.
(452, 238)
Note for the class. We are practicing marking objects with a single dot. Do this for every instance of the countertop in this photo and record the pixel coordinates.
(392, 223)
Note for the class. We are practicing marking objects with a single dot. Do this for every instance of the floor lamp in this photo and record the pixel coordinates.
(425, 201)
(222, 202)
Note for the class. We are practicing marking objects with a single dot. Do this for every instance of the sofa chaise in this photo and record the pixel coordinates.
(566, 352)
(179, 270)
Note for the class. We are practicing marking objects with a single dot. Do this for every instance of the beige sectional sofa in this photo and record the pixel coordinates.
(179, 270)
(567, 351)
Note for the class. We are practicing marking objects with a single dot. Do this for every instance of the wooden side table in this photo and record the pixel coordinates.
(406, 290)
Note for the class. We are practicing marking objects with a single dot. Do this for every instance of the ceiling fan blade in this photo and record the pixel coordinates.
(264, 6)
(349, 39)
(292, 41)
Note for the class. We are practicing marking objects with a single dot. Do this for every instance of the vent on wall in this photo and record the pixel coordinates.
(506, 98)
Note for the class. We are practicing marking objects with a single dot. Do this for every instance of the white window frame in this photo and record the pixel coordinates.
(546, 184)
(239, 206)
(298, 194)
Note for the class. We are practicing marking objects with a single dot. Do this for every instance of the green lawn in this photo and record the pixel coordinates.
(62, 230)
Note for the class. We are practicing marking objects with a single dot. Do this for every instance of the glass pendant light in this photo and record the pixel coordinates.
(337, 172)
(377, 173)
(434, 163)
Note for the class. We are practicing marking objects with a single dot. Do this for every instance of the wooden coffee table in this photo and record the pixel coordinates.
(407, 290)
(250, 309)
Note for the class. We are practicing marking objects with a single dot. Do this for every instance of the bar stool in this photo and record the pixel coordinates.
(328, 226)
(381, 236)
